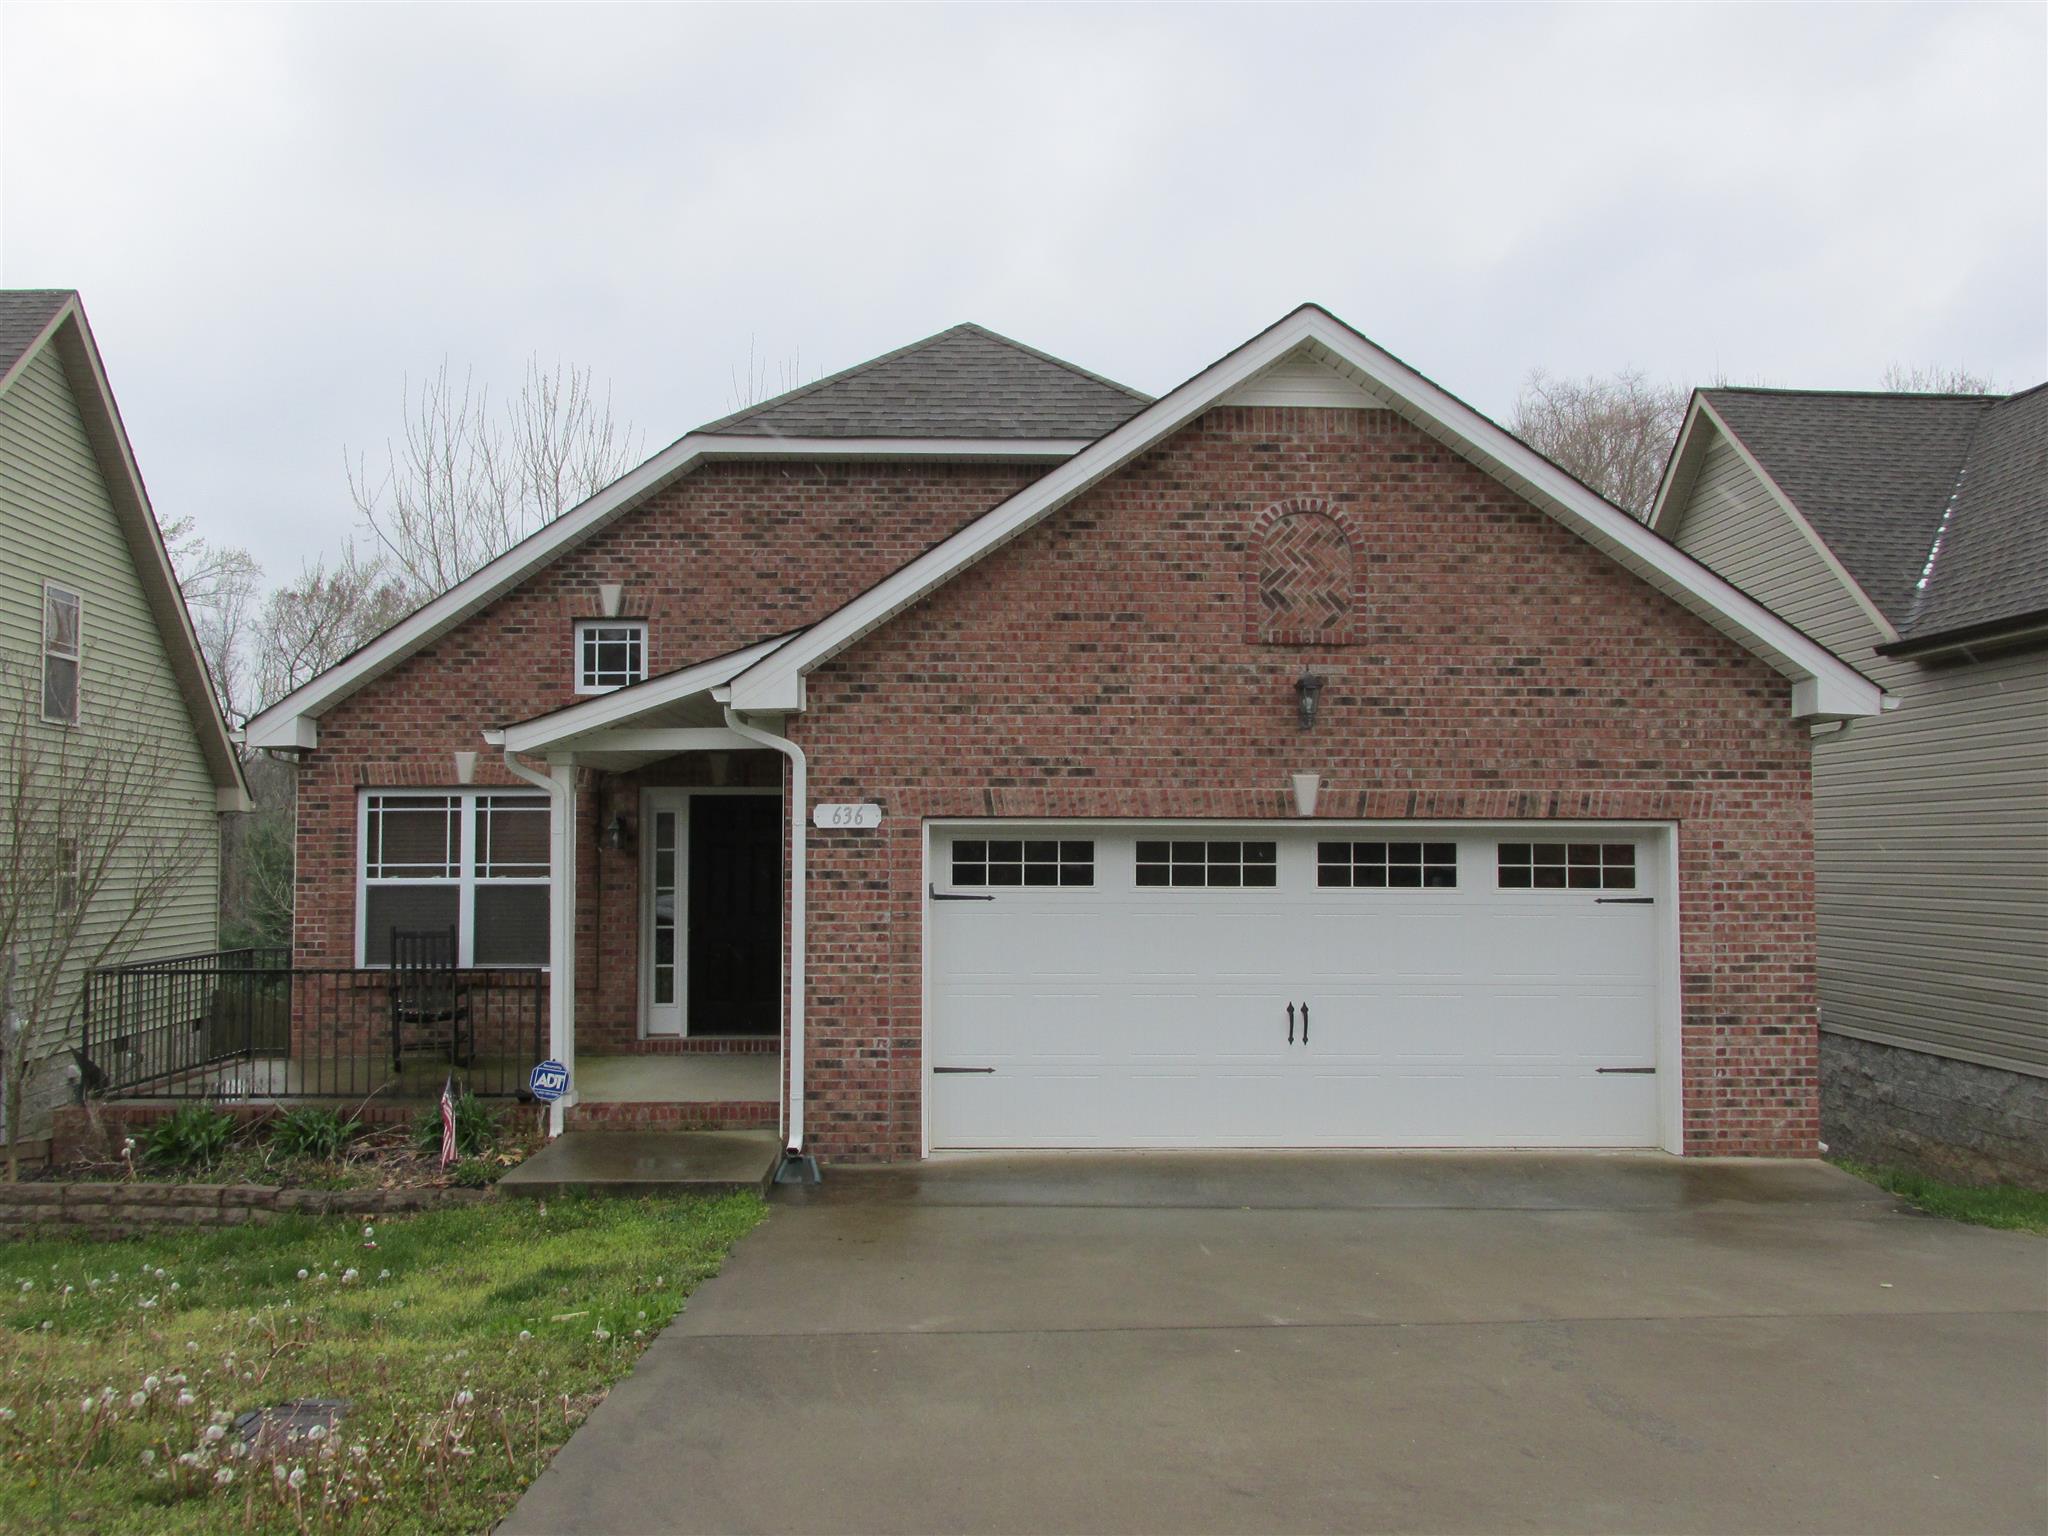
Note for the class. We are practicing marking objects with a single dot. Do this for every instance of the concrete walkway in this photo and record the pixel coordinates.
(1335, 1342)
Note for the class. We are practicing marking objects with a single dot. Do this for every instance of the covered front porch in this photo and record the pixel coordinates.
(668, 953)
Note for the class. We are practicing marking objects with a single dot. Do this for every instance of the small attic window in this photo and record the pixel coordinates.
(610, 653)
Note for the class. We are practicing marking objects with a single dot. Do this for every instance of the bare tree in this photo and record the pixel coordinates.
(1935, 379)
(467, 482)
(222, 584)
(751, 386)
(1612, 432)
(89, 857)
(310, 623)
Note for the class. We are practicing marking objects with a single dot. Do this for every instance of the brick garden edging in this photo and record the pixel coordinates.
(139, 1210)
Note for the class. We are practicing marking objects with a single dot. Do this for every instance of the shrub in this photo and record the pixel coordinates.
(476, 1128)
(194, 1137)
(310, 1131)
(474, 1172)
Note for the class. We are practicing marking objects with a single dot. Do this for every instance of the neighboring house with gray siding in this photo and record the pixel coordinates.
(1909, 533)
(114, 759)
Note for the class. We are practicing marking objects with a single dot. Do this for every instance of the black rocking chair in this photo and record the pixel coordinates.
(429, 1002)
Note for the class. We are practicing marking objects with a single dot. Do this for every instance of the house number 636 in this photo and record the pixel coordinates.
(846, 816)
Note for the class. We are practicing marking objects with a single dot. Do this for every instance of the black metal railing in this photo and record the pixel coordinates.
(246, 1024)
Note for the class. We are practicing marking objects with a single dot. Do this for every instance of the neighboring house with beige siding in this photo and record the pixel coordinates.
(1909, 533)
(105, 688)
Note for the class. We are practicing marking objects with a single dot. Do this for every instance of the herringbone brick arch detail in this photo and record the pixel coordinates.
(1307, 591)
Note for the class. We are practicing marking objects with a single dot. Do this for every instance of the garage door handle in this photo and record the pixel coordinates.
(1290, 1023)
(939, 895)
(1304, 1023)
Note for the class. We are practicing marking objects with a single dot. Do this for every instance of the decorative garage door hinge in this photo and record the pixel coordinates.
(1628, 1071)
(1624, 901)
(939, 895)
(938, 1070)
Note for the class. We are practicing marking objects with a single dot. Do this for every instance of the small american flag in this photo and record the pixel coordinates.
(448, 1122)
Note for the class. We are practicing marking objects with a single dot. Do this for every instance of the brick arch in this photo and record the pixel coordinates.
(1304, 587)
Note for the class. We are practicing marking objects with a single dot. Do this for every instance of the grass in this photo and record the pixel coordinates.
(1998, 1205)
(471, 1343)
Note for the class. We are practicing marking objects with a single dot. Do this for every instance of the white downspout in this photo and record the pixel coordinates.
(560, 783)
(799, 825)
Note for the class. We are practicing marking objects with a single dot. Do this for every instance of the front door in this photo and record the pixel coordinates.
(711, 913)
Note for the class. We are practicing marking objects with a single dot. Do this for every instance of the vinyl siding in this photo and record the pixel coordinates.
(1930, 823)
(57, 523)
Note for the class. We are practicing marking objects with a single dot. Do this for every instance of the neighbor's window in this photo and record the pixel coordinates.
(1024, 861)
(475, 861)
(1568, 866)
(610, 653)
(63, 648)
(1377, 866)
(1204, 863)
(68, 869)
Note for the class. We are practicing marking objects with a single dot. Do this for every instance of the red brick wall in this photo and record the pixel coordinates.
(727, 556)
(1105, 664)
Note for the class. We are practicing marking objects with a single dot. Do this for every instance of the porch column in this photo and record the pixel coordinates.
(562, 928)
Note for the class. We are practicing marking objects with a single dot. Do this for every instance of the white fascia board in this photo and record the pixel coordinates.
(430, 622)
(776, 683)
(1681, 454)
(1660, 516)
(612, 710)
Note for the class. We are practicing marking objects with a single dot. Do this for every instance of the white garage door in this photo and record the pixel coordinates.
(1103, 984)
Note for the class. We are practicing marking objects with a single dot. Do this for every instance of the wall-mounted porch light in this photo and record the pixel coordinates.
(1308, 697)
(618, 833)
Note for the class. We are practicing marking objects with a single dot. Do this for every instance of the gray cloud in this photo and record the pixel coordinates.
(276, 214)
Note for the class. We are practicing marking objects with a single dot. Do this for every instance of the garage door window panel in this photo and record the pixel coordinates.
(1206, 864)
(1567, 866)
(1386, 865)
(1032, 861)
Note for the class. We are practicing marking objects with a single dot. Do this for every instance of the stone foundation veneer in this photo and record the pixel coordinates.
(1955, 1120)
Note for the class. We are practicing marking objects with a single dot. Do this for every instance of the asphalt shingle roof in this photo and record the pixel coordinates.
(963, 382)
(23, 314)
(1881, 477)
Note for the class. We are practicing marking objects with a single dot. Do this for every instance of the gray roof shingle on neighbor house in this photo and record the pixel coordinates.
(965, 382)
(1991, 560)
(1936, 504)
(24, 312)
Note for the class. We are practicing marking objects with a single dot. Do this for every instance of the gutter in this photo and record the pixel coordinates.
(2012, 631)
(797, 1166)
(561, 913)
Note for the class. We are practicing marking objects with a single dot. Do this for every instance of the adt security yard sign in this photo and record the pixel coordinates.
(549, 1082)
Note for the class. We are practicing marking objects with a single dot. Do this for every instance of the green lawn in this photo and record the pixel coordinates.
(1999, 1205)
(472, 1342)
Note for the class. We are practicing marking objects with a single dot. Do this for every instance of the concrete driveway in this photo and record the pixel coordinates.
(1335, 1342)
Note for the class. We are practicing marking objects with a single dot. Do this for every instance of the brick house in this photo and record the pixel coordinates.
(967, 751)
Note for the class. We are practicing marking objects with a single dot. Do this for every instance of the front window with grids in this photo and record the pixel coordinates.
(1023, 861)
(1380, 866)
(471, 861)
(1568, 866)
(610, 653)
(1207, 864)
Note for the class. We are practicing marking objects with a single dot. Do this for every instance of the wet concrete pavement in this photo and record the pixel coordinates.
(1335, 1341)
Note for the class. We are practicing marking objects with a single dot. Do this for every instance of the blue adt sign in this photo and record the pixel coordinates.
(549, 1082)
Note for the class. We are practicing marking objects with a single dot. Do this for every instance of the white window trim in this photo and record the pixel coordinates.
(583, 628)
(465, 883)
(76, 657)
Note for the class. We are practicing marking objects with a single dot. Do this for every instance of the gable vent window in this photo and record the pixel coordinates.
(63, 650)
(610, 654)
(1568, 866)
(1207, 864)
(1379, 866)
(1023, 861)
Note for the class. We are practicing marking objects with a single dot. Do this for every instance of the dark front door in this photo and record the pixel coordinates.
(735, 915)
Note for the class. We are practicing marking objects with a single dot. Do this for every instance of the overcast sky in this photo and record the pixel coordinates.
(276, 214)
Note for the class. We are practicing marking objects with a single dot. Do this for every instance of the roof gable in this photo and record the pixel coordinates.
(63, 326)
(1824, 685)
(1989, 557)
(965, 382)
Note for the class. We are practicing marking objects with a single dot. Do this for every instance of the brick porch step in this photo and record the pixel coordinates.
(701, 1114)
